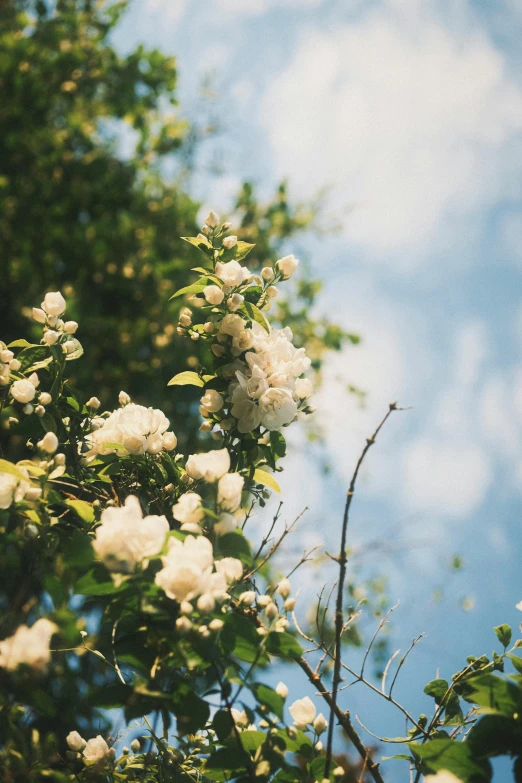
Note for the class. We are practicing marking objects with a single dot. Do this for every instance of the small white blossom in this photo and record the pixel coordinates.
(212, 401)
(271, 610)
(49, 443)
(212, 219)
(53, 303)
(185, 320)
(187, 570)
(33, 493)
(247, 598)
(230, 242)
(287, 265)
(70, 327)
(234, 302)
(135, 428)
(183, 625)
(303, 712)
(282, 690)
(320, 724)
(230, 567)
(29, 646)
(126, 538)
(206, 603)
(23, 391)
(284, 588)
(75, 741)
(12, 488)
(96, 750)
(39, 315)
(15, 365)
(290, 604)
(213, 294)
(277, 407)
(188, 509)
(69, 346)
(45, 398)
(93, 402)
(230, 487)
(28, 409)
(216, 624)
(209, 466)
(272, 290)
(50, 337)
(169, 441)
(231, 273)
(303, 388)
(6, 355)
(123, 398)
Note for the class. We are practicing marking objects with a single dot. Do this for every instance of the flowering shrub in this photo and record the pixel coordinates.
(128, 581)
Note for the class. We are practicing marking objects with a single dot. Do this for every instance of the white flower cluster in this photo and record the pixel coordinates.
(29, 646)
(132, 429)
(8, 364)
(210, 467)
(14, 488)
(55, 328)
(95, 751)
(304, 714)
(189, 572)
(126, 538)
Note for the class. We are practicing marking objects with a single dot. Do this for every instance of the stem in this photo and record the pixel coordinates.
(344, 720)
(339, 619)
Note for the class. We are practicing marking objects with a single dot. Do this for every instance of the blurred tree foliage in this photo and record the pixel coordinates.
(104, 228)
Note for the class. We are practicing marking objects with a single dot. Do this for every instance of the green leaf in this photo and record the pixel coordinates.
(254, 313)
(97, 582)
(223, 725)
(237, 253)
(503, 633)
(84, 510)
(516, 661)
(316, 768)
(239, 636)
(494, 694)
(232, 759)
(201, 270)
(283, 644)
(31, 355)
(189, 378)
(402, 756)
(48, 423)
(252, 740)
(235, 545)
(76, 352)
(195, 288)
(269, 698)
(192, 713)
(278, 443)
(77, 550)
(453, 756)
(495, 735)
(21, 344)
(8, 467)
(262, 477)
(204, 246)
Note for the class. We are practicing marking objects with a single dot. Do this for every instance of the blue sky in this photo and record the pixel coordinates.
(410, 113)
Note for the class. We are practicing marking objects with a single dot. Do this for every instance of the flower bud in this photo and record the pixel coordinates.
(135, 745)
(194, 336)
(6, 356)
(272, 611)
(186, 607)
(267, 273)
(217, 350)
(235, 301)
(290, 604)
(14, 365)
(227, 226)
(93, 402)
(33, 493)
(287, 266)
(206, 426)
(206, 603)
(212, 219)
(213, 294)
(39, 315)
(205, 231)
(183, 625)
(49, 443)
(50, 337)
(247, 598)
(70, 327)
(272, 290)
(69, 346)
(319, 746)
(282, 690)
(45, 398)
(40, 410)
(229, 242)
(34, 379)
(284, 588)
(208, 327)
(338, 772)
(216, 625)
(28, 409)
(201, 238)
(123, 398)
(59, 459)
(320, 724)
(169, 440)
(23, 391)
(75, 741)
(185, 320)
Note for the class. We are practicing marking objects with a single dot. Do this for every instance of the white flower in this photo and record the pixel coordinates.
(49, 443)
(126, 538)
(39, 315)
(282, 690)
(320, 724)
(23, 391)
(33, 378)
(212, 219)
(15, 365)
(123, 398)
(235, 301)
(12, 488)
(277, 407)
(209, 466)
(212, 401)
(230, 567)
(187, 570)
(248, 415)
(247, 598)
(206, 603)
(230, 242)
(75, 741)
(242, 341)
(230, 487)
(96, 750)
(231, 273)
(303, 388)
(188, 509)
(93, 402)
(136, 428)
(50, 337)
(302, 711)
(53, 303)
(443, 776)
(169, 441)
(6, 355)
(227, 523)
(70, 327)
(45, 398)
(519, 606)
(287, 265)
(267, 273)
(29, 646)
(213, 294)
(231, 324)
(284, 588)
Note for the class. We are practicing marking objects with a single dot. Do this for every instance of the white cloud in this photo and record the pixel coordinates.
(258, 7)
(409, 119)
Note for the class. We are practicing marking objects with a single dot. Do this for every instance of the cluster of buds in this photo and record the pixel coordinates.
(56, 330)
(8, 364)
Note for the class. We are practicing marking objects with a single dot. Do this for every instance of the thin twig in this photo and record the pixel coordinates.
(340, 588)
